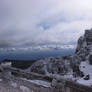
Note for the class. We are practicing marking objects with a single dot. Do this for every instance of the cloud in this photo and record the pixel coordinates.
(28, 22)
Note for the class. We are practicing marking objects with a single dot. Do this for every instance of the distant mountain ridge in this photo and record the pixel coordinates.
(39, 47)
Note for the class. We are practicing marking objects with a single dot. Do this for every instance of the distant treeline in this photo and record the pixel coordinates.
(22, 64)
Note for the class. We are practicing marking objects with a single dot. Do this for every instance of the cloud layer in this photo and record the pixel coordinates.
(28, 22)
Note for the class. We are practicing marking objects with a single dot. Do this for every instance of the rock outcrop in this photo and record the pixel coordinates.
(84, 47)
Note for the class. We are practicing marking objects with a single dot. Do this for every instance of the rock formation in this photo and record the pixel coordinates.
(84, 47)
(51, 66)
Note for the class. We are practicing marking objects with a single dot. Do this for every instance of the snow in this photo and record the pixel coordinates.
(39, 82)
(6, 64)
(14, 84)
(85, 82)
(1, 80)
(24, 89)
(69, 75)
(86, 68)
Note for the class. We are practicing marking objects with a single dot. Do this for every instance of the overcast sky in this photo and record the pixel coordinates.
(28, 22)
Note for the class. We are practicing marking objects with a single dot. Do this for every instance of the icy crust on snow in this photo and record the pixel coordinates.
(39, 82)
(86, 68)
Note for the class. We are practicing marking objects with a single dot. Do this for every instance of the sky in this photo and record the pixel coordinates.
(34, 22)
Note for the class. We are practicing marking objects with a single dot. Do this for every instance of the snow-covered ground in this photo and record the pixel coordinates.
(16, 84)
(86, 68)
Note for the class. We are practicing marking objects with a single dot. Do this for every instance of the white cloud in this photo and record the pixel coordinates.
(44, 21)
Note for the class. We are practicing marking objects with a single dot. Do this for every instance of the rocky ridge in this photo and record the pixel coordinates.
(68, 64)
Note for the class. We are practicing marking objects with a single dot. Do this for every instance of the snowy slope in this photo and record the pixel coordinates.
(86, 68)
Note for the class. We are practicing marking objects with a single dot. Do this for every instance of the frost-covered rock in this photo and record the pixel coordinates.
(24, 88)
(84, 46)
(13, 84)
(38, 67)
(51, 66)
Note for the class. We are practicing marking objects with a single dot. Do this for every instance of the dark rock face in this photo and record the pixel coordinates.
(88, 36)
(80, 43)
(81, 50)
(90, 59)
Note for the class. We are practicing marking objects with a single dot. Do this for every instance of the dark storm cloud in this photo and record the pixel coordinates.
(4, 44)
(28, 22)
